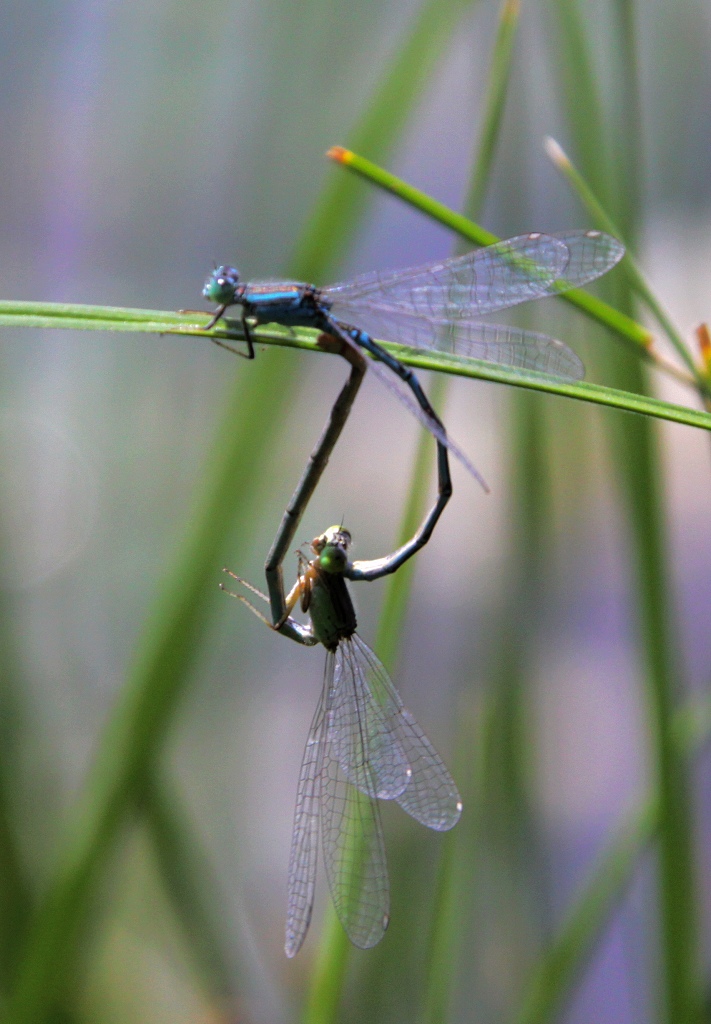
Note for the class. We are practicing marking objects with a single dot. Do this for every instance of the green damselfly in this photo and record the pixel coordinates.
(363, 746)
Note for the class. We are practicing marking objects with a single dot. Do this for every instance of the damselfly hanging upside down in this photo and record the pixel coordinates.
(363, 746)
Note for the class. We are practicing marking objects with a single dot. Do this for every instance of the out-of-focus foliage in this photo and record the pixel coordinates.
(141, 143)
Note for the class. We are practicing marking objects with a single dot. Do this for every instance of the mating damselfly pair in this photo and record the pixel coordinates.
(363, 745)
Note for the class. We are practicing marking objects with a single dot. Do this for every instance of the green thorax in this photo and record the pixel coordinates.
(332, 613)
(331, 609)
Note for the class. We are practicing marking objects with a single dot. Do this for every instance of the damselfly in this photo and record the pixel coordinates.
(435, 306)
(363, 746)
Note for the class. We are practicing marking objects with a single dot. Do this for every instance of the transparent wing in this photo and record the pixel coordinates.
(431, 796)
(590, 255)
(404, 396)
(481, 281)
(370, 746)
(304, 839)
(492, 343)
(437, 306)
(352, 835)
(360, 733)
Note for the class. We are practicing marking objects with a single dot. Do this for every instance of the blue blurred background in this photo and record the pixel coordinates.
(140, 144)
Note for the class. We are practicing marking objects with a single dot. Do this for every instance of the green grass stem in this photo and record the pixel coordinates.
(595, 308)
(45, 315)
(493, 106)
(378, 132)
(333, 954)
(128, 750)
(637, 279)
(561, 965)
(191, 888)
(455, 868)
(635, 454)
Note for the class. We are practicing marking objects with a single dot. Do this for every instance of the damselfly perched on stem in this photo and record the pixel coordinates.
(432, 306)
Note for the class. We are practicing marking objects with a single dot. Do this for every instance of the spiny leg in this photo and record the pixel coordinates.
(232, 349)
(249, 586)
(289, 627)
(243, 599)
(218, 315)
(246, 330)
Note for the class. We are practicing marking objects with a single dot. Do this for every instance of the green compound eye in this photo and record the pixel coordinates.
(332, 549)
(333, 558)
(221, 286)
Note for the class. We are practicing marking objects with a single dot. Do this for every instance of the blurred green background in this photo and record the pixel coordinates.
(140, 145)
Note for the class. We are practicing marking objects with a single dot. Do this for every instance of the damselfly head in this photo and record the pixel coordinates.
(221, 286)
(332, 549)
